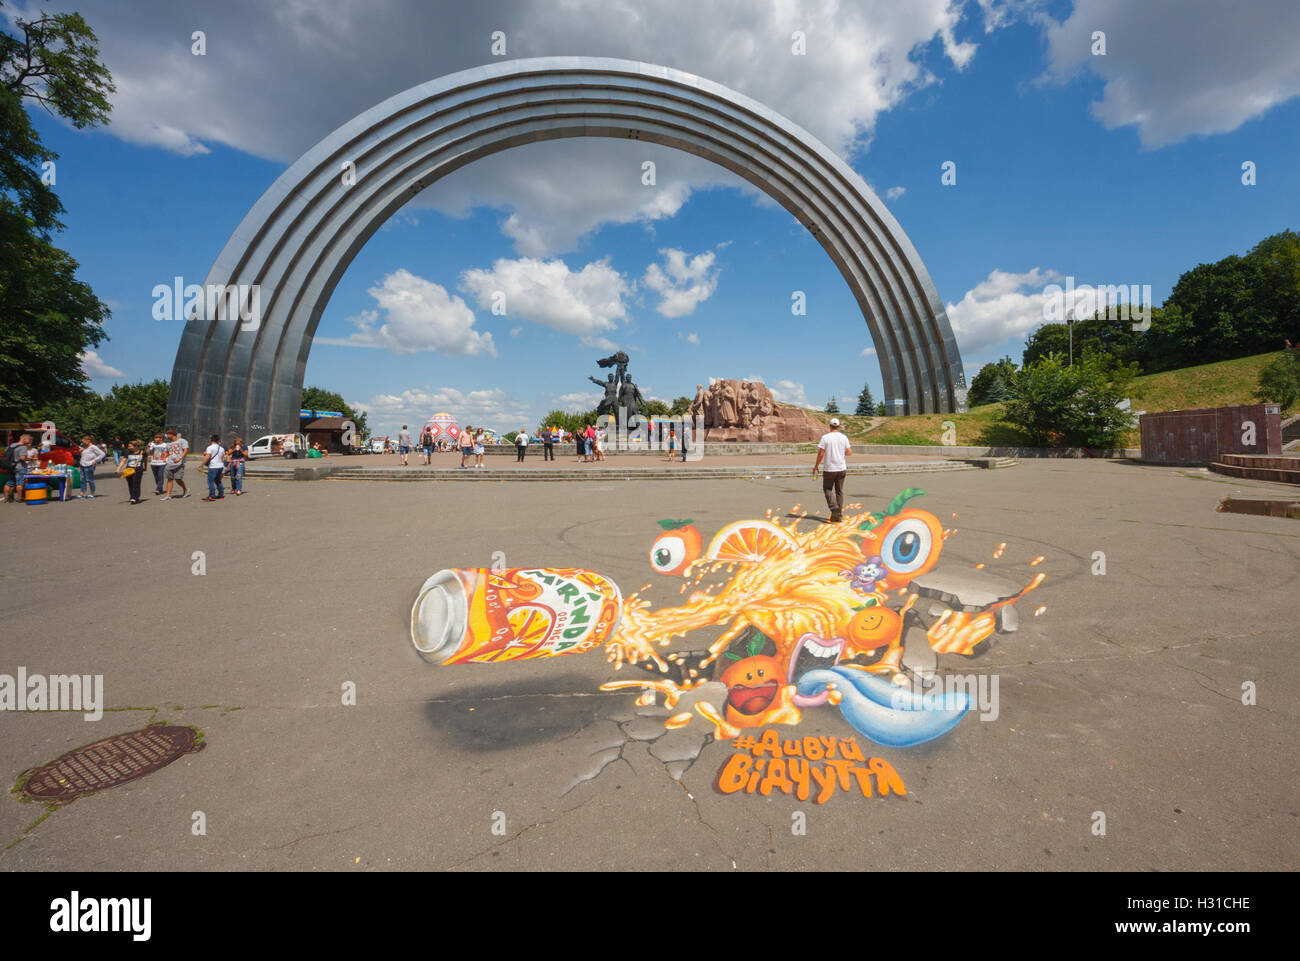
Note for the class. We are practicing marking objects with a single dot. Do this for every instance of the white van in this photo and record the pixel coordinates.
(279, 445)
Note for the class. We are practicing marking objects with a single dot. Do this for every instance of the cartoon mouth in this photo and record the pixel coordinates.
(813, 653)
(752, 700)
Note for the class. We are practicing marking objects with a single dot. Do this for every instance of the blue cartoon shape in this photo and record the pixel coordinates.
(885, 713)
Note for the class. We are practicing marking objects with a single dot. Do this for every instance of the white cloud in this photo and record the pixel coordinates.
(893, 193)
(416, 314)
(868, 352)
(329, 60)
(489, 407)
(681, 283)
(1175, 71)
(578, 401)
(789, 392)
(516, 331)
(1000, 307)
(691, 338)
(587, 302)
(94, 365)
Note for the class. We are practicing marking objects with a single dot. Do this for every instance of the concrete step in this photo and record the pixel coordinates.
(685, 472)
(1277, 475)
(1271, 462)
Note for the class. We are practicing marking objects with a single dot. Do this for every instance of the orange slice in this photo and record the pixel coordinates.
(749, 542)
(530, 625)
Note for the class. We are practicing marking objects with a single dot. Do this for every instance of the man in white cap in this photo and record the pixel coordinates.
(834, 448)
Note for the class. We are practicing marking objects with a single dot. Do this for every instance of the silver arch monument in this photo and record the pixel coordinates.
(245, 376)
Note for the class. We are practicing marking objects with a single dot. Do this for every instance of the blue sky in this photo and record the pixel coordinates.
(1122, 169)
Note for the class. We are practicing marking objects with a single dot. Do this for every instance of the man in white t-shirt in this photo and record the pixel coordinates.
(214, 461)
(834, 449)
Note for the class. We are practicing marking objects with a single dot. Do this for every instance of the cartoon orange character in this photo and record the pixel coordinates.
(757, 692)
(677, 548)
(906, 541)
(875, 638)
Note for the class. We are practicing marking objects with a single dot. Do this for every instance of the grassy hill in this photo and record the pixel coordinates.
(1209, 385)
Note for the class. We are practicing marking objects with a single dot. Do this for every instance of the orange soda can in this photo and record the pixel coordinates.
(480, 615)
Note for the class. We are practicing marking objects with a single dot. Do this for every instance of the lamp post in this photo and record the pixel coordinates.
(1069, 324)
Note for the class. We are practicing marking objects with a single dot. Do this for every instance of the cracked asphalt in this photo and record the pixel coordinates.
(1124, 697)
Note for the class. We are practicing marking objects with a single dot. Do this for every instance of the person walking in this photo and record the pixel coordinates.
(91, 454)
(235, 458)
(590, 445)
(548, 443)
(426, 444)
(404, 444)
(158, 461)
(834, 448)
(686, 427)
(672, 443)
(132, 468)
(117, 451)
(212, 460)
(466, 445)
(600, 443)
(174, 470)
(521, 446)
(478, 447)
(580, 442)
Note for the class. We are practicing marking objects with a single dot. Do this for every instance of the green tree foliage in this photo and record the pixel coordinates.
(1057, 405)
(47, 317)
(866, 406)
(1234, 307)
(832, 407)
(567, 421)
(1279, 381)
(990, 384)
(657, 408)
(880, 409)
(318, 398)
(681, 405)
(56, 64)
(129, 411)
(1112, 336)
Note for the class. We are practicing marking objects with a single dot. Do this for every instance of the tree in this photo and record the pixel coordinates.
(1058, 405)
(49, 318)
(832, 407)
(681, 405)
(56, 64)
(317, 398)
(880, 409)
(1279, 381)
(866, 406)
(129, 411)
(655, 408)
(990, 385)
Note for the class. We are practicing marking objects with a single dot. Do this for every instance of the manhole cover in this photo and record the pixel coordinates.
(110, 762)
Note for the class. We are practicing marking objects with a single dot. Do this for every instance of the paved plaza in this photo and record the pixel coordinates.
(1124, 696)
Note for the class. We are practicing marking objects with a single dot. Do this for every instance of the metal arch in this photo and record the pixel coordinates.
(302, 234)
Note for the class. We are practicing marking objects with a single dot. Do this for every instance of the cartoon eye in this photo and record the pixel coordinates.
(668, 554)
(760, 672)
(907, 546)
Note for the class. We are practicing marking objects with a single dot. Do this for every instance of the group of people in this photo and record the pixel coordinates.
(164, 457)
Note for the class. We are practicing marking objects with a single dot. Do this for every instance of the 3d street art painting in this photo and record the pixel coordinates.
(849, 617)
